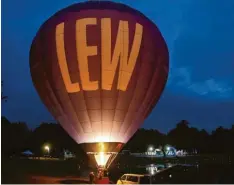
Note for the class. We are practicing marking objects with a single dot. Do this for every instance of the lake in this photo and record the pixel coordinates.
(196, 170)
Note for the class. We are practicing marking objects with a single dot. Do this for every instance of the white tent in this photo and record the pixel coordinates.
(27, 152)
(68, 154)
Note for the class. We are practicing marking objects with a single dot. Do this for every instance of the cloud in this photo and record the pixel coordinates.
(211, 86)
(183, 77)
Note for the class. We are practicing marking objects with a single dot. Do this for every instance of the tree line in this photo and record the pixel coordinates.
(17, 137)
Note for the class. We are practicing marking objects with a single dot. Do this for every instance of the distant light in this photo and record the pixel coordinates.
(170, 176)
(168, 148)
(150, 149)
(47, 148)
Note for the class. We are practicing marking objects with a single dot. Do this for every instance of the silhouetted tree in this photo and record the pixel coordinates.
(203, 142)
(20, 133)
(143, 138)
(53, 134)
(189, 138)
(16, 137)
(232, 138)
(5, 126)
(180, 136)
(221, 140)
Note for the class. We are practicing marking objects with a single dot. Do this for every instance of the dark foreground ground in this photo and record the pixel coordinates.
(26, 171)
(205, 169)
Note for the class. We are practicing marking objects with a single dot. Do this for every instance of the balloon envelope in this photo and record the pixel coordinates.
(100, 68)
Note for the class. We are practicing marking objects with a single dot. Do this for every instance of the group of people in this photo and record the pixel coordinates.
(99, 178)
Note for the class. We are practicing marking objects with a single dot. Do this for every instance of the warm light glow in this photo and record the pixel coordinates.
(102, 147)
(102, 158)
(62, 61)
(121, 54)
(91, 59)
(47, 148)
(104, 138)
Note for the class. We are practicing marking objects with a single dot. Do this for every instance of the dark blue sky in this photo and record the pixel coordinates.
(200, 38)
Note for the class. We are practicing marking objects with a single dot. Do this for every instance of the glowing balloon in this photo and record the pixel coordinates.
(99, 67)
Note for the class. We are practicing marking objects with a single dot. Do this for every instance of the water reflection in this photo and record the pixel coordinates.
(192, 169)
(181, 173)
(152, 169)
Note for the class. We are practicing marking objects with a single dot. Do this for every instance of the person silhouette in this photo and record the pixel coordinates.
(91, 177)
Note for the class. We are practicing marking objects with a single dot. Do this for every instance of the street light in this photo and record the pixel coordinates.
(47, 148)
(150, 149)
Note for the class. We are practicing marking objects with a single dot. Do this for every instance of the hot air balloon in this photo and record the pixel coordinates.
(100, 68)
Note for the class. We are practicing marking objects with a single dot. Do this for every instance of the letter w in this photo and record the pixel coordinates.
(127, 63)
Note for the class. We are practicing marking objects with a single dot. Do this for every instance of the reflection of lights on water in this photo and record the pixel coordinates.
(152, 169)
(169, 165)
